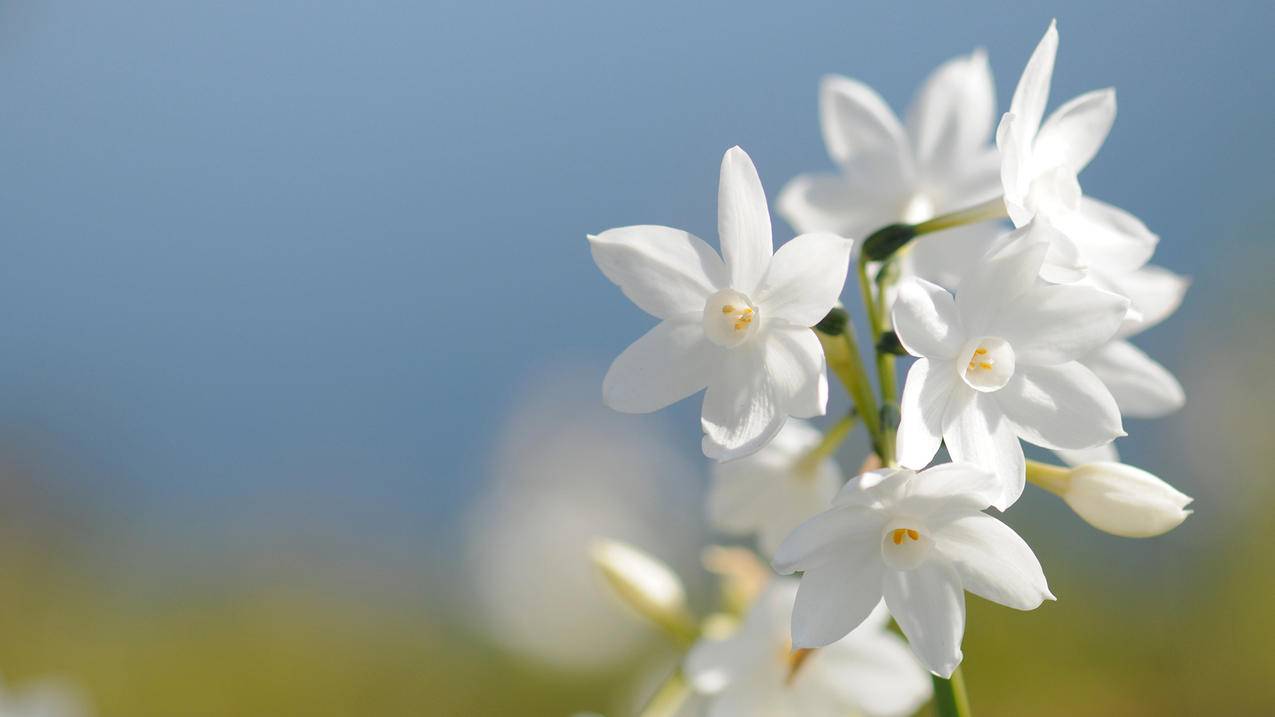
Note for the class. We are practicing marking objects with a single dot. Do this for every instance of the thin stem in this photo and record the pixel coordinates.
(985, 212)
(844, 359)
(837, 433)
(668, 698)
(950, 697)
(874, 308)
(1054, 479)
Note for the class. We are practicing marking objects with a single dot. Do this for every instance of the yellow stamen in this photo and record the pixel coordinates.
(727, 309)
(913, 534)
(897, 534)
(984, 365)
(980, 352)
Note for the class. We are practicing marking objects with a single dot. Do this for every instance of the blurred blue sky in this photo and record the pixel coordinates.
(292, 261)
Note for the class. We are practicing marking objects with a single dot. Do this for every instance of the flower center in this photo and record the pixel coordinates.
(729, 318)
(904, 545)
(986, 363)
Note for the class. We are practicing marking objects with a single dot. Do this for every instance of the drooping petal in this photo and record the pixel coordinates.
(743, 221)
(1155, 293)
(1142, 387)
(993, 561)
(1032, 93)
(669, 363)
(976, 432)
(929, 605)
(1074, 132)
(1001, 278)
(953, 112)
(741, 407)
(858, 125)
(824, 537)
(925, 396)
(1063, 406)
(837, 596)
(664, 271)
(926, 320)
(1053, 324)
(1110, 239)
(826, 203)
(794, 364)
(805, 279)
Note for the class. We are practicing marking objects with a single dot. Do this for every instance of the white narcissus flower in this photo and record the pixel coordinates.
(998, 364)
(941, 159)
(1039, 166)
(867, 672)
(740, 326)
(773, 491)
(1117, 498)
(918, 539)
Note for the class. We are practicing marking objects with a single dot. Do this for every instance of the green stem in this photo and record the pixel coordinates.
(1054, 479)
(950, 697)
(837, 433)
(985, 212)
(874, 307)
(844, 359)
(668, 698)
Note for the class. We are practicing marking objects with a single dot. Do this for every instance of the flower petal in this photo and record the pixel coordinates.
(871, 671)
(669, 363)
(975, 431)
(1141, 386)
(925, 395)
(743, 221)
(1063, 406)
(1074, 133)
(826, 203)
(1110, 239)
(1057, 323)
(835, 597)
(805, 279)
(794, 364)
(1015, 150)
(1032, 93)
(949, 487)
(824, 537)
(664, 271)
(1001, 278)
(859, 126)
(926, 320)
(953, 112)
(1155, 293)
(1097, 454)
(993, 561)
(741, 407)
(929, 605)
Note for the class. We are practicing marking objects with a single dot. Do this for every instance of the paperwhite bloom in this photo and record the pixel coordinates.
(868, 672)
(941, 159)
(1039, 166)
(770, 492)
(998, 364)
(741, 326)
(1118, 498)
(918, 539)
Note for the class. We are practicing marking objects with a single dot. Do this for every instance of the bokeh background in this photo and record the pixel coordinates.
(302, 343)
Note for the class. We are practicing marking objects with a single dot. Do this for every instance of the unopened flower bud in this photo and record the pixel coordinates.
(1115, 498)
(646, 585)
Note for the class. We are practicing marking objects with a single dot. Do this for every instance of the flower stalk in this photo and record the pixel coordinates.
(950, 697)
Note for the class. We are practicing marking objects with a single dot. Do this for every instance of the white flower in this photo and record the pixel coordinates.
(918, 539)
(740, 327)
(868, 672)
(1118, 498)
(940, 160)
(1039, 166)
(998, 363)
(772, 491)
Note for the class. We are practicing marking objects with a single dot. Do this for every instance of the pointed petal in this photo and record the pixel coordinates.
(976, 432)
(925, 395)
(993, 561)
(1063, 406)
(826, 203)
(741, 408)
(1110, 239)
(856, 122)
(743, 221)
(805, 279)
(1001, 278)
(794, 364)
(669, 363)
(929, 605)
(1053, 324)
(1155, 293)
(1142, 387)
(949, 487)
(953, 112)
(824, 537)
(926, 320)
(1015, 151)
(1032, 93)
(837, 596)
(664, 271)
(1074, 133)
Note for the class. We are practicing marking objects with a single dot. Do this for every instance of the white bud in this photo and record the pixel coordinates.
(644, 583)
(1123, 500)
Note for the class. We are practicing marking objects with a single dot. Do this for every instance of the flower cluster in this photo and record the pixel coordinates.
(1019, 333)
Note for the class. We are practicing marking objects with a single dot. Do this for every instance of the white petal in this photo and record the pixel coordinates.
(1001, 278)
(953, 113)
(741, 407)
(929, 605)
(1015, 151)
(1032, 93)
(949, 487)
(835, 597)
(713, 665)
(993, 561)
(743, 221)
(824, 537)
(1155, 293)
(1063, 406)
(1057, 323)
(1141, 386)
(858, 125)
(664, 271)
(794, 364)
(952, 255)
(926, 320)
(826, 203)
(925, 396)
(976, 432)
(870, 672)
(1110, 239)
(669, 363)
(1074, 132)
(1097, 454)
(805, 279)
